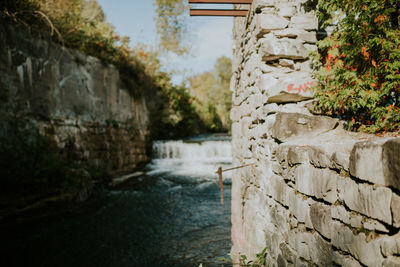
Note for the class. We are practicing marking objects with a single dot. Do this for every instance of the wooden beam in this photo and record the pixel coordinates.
(220, 1)
(218, 12)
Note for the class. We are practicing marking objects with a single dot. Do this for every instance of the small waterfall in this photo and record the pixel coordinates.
(199, 157)
(204, 151)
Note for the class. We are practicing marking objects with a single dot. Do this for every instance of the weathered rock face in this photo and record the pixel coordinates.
(76, 100)
(317, 194)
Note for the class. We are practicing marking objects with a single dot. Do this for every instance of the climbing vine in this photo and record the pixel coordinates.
(358, 66)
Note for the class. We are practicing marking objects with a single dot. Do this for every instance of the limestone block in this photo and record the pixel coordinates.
(257, 100)
(321, 219)
(245, 125)
(258, 132)
(395, 206)
(269, 109)
(297, 155)
(367, 252)
(340, 160)
(295, 107)
(245, 110)
(266, 23)
(391, 262)
(320, 183)
(373, 202)
(377, 161)
(295, 83)
(311, 247)
(286, 63)
(301, 263)
(355, 220)
(374, 225)
(304, 22)
(391, 245)
(321, 251)
(311, 47)
(303, 66)
(288, 32)
(300, 242)
(305, 36)
(266, 68)
(289, 126)
(319, 157)
(270, 121)
(391, 162)
(281, 155)
(278, 189)
(308, 37)
(287, 256)
(300, 208)
(284, 97)
(277, 168)
(277, 217)
(344, 260)
(252, 64)
(266, 3)
(273, 48)
(286, 9)
(340, 213)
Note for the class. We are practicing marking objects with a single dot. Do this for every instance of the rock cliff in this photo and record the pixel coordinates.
(75, 100)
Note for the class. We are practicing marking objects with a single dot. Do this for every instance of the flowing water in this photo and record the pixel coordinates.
(169, 217)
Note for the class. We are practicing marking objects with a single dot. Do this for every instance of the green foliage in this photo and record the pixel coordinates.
(171, 24)
(173, 114)
(81, 25)
(259, 262)
(358, 67)
(214, 99)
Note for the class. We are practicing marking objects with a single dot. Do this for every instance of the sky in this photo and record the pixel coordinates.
(209, 37)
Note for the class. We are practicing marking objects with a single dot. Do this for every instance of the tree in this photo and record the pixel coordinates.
(213, 94)
(358, 66)
(171, 24)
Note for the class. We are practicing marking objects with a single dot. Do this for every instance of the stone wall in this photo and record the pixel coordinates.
(316, 194)
(76, 100)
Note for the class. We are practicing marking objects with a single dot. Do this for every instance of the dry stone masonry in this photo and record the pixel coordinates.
(317, 194)
(75, 100)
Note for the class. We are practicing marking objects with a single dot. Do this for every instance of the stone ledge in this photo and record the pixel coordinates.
(289, 126)
(377, 161)
(327, 150)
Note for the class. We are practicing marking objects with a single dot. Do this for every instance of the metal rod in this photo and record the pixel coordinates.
(218, 12)
(220, 1)
(221, 184)
(234, 168)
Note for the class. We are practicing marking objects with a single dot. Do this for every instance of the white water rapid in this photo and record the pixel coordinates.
(194, 157)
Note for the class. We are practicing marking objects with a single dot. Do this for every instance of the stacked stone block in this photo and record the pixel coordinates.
(316, 194)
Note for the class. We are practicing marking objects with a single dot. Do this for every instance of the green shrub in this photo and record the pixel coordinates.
(358, 66)
(80, 24)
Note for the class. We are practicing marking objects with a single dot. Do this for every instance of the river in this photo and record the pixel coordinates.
(170, 216)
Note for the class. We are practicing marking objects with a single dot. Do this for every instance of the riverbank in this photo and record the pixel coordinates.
(27, 203)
